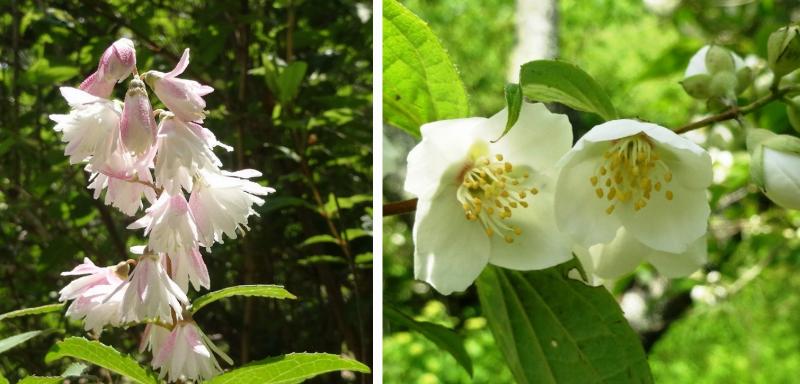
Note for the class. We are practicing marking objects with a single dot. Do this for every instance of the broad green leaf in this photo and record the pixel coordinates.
(3, 380)
(32, 311)
(553, 329)
(290, 79)
(41, 380)
(262, 290)
(289, 369)
(560, 82)
(101, 355)
(514, 104)
(420, 83)
(444, 338)
(13, 341)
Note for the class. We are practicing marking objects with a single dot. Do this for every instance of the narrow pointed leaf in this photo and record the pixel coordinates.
(514, 104)
(101, 355)
(560, 82)
(41, 380)
(444, 338)
(420, 83)
(263, 290)
(289, 369)
(13, 341)
(552, 329)
(33, 311)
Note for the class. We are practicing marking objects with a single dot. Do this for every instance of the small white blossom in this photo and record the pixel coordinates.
(97, 295)
(183, 150)
(222, 202)
(127, 180)
(183, 97)
(152, 293)
(169, 225)
(636, 175)
(187, 354)
(91, 129)
(482, 202)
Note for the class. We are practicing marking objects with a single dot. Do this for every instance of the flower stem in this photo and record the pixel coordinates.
(399, 207)
(737, 111)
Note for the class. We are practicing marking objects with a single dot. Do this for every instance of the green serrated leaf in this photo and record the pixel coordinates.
(552, 329)
(289, 369)
(420, 83)
(260, 290)
(513, 94)
(444, 338)
(41, 380)
(32, 311)
(101, 355)
(13, 341)
(560, 82)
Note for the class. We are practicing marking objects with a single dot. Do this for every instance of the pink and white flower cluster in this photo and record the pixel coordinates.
(193, 203)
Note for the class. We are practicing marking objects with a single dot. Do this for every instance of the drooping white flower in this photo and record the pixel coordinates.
(482, 202)
(187, 353)
(183, 97)
(775, 166)
(636, 175)
(137, 126)
(152, 293)
(169, 225)
(116, 64)
(188, 266)
(221, 202)
(624, 253)
(97, 295)
(126, 180)
(183, 150)
(91, 129)
(153, 338)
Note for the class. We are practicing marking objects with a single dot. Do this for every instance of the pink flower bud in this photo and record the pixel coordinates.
(184, 98)
(137, 126)
(117, 63)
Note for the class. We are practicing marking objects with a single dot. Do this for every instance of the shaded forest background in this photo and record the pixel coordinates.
(308, 131)
(735, 321)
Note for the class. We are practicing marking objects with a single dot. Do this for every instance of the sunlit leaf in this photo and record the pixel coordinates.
(420, 83)
(289, 369)
(101, 355)
(13, 341)
(260, 290)
(32, 311)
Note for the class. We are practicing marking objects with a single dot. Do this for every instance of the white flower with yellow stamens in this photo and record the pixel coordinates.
(636, 175)
(482, 202)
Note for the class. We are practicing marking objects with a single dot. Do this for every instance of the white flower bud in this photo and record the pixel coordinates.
(775, 166)
(783, 50)
(137, 126)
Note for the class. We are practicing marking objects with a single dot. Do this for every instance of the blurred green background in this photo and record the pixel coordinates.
(737, 320)
(313, 148)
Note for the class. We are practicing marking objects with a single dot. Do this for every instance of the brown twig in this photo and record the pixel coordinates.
(399, 207)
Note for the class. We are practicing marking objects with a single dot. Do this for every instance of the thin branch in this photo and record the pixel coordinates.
(399, 207)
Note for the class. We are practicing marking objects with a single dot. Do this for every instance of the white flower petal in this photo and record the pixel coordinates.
(689, 163)
(681, 264)
(619, 257)
(579, 212)
(782, 178)
(450, 251)
(444, 146)
(669, 226)
(539, 137)
(540, 246)
(614, 129)
(697, 64)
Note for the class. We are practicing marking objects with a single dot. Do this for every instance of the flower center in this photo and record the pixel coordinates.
(631, 171)
(490, 189)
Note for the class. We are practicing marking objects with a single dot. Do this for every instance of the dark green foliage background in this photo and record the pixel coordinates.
(749, 333)
(315, 150)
